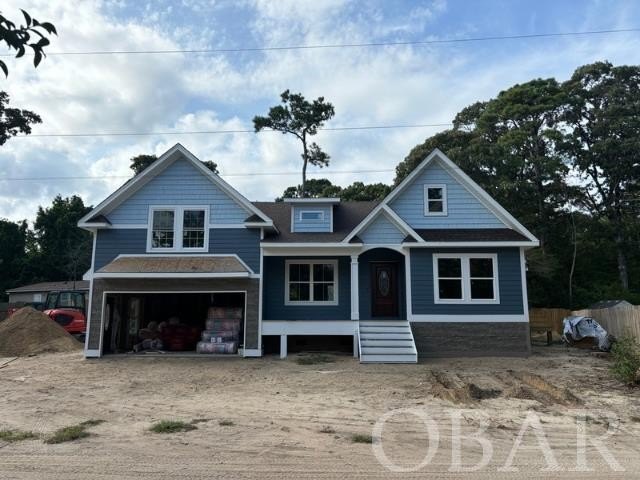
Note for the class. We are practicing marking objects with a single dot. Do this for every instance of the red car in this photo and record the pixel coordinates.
(68, 309)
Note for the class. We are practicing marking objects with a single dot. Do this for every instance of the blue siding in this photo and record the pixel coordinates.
(381, 230)
(463, 209)
(323, 225)
(179, 184)
(111, 243)
(365, 283)
(274, 288)
(241, 241)
(510, 284)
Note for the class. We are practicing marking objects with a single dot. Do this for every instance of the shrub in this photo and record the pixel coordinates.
(327, 429)
(171, 426)
(16, 435)
(226, 423)
(68, 434)
(361, 438)
(626, 360)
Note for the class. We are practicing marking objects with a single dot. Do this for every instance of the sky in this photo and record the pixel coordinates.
(178, 92)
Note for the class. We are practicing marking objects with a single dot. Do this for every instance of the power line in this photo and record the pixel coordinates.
(343, 45)
(232, 131)
(247, 174)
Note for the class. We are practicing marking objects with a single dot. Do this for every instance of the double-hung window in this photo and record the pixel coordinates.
(435, 199)
(465, 278)
(178, 229)
(311, 282)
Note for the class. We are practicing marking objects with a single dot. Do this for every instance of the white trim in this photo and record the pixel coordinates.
(314, 251)
(260, 300)
(283, 346)
(426, 200)
(88, 313)
(168, 157)
(89, 226)
(129, 226)
(311, 263)
(91, 353)
(327, 200)
(178, 226)
(308, 244)
(355, 289)
(467, 318)
(251, 352)
(407, 281)
(319, 219)
(309, 327)
(523, 279)
(475, 244)
(465, 279)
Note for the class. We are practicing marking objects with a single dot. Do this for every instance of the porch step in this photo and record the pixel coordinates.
(386, 341)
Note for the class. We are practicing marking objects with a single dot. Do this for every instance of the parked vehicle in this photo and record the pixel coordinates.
(68, 309)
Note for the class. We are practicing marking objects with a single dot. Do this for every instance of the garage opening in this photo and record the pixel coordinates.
(207, 323)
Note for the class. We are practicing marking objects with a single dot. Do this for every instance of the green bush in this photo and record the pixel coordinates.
(626, 359)
(16, 435)
(68, 434)
(172, 426)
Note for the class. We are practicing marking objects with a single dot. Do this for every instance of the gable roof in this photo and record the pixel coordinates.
(51, 287)
(176, 152)
(346, 215)
(463, 179)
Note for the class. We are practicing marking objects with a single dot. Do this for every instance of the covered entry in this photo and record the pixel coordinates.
(382, 292)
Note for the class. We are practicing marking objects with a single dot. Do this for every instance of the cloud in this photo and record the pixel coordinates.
(181, 92)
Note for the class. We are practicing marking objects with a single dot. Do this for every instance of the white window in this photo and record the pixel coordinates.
(465, 278)
(178, 229)
(435, 199)
(311, 215)
(311, 282)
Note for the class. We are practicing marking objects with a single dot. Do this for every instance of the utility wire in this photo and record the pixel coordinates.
(216, 132)
(343, 45)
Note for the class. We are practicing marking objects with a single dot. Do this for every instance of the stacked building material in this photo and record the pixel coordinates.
(222, 331)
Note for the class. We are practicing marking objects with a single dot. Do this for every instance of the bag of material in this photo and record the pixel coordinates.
(575, 328)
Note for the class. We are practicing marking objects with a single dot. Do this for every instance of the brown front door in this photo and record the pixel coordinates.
(384, 289)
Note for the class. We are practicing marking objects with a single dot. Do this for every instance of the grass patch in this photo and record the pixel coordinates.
(626, 360)
(196, 421)
(172, 426)
(635, 419)
(327, 429)
(16, 435)
(92, 423)
(68, 434)
(226, 423)
(314, 359)
(361, 438)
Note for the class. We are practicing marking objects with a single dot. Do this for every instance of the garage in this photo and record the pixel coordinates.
(174, 305)
(172, 322)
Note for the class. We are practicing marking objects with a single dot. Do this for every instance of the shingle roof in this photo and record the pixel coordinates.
(174, 264)
(470, 235)
(346, 216)
(51, 287)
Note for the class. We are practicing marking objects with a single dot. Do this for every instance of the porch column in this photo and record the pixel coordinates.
(355, 293)
(283, 346)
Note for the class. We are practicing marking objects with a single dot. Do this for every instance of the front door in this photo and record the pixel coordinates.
(384, 289)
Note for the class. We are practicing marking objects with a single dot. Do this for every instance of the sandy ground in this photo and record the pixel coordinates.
(279, 407)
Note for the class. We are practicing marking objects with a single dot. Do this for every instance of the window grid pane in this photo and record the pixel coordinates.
(311, 282)
(193, 229)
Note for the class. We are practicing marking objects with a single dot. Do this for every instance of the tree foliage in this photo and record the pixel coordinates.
(14, 120)
(323, 188)
(562, 158)
(33, 35)
(139, 163)
(302, 119)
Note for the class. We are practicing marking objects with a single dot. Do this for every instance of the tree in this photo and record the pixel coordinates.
(12, 253)
(316, 188)
(602, 143)
(141, 162)
(323, 188)
(62, 250)
(18, 38)
(14, 120)
(302, 119)
(363, 192)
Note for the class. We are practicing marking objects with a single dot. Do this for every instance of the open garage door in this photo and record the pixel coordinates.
(169, 322)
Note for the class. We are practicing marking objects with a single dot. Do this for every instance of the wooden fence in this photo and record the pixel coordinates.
(617, 321)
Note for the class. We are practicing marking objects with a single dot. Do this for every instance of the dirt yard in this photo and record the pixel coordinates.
(282, 419)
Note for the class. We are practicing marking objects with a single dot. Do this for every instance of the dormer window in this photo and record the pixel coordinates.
(178, 229)
(311, 215)
(435, 200)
